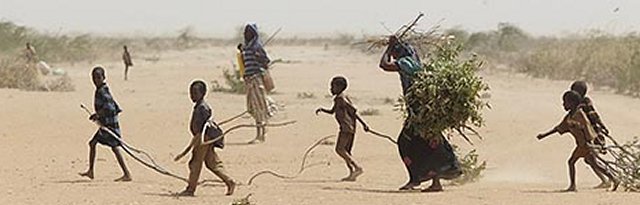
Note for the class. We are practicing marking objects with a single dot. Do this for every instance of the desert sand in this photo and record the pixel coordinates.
(44, 136)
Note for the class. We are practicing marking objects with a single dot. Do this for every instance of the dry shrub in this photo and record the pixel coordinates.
(232, 79)
(601, 59)
(471, 166)
(17, 75)
(305, 95)
(370, 112)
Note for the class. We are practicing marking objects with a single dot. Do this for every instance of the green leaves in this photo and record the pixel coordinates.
(446, 93)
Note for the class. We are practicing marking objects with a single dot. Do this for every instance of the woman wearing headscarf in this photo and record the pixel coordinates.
(256, 63)
(424, 159)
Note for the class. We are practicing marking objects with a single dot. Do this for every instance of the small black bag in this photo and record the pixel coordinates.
(214, 131)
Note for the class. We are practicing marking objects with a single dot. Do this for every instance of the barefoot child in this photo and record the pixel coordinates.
(576, 123)
(202, 114)
(106, 115)
(596, 123)
(346, 116)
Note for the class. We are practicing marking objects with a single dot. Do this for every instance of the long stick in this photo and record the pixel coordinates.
(383, 136)
(302, 164)
(130, 149)
(411, 25)
(233, 118)
(272, 36)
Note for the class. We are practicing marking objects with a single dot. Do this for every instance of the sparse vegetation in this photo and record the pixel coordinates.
(306, 95)
(18, 75)
(233, 81)
(243, 201)
(369, 112)
(471, 166)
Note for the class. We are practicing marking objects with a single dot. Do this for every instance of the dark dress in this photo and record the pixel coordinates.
(423, 159)
(107, 110)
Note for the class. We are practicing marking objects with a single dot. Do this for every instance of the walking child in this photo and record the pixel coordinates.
(576, 123)
(106, 116)
(203, 153)
(596, 123)
(346, 116)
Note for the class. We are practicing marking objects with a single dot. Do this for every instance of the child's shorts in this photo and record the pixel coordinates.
(104, 138)
(345, 140)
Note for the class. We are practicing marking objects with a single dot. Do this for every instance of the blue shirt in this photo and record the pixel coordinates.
(105, 106)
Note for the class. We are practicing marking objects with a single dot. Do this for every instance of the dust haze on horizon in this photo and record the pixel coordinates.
(217, 18)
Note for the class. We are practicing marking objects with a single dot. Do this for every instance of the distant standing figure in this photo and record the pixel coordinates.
(126, 58)
(30, 54)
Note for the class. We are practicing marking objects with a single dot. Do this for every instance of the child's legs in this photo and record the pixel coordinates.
(126, 71)
(597, 167)
(123, 166)
(577, 154)
(92, 158)
(214, 164)
(195, 166)
(343, 148)
(592, 162)
(92, 153)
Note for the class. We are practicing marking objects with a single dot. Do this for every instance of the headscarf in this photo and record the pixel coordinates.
(405, 49)
(254, 43)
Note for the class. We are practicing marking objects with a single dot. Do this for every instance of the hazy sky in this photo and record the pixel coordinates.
(319, 17)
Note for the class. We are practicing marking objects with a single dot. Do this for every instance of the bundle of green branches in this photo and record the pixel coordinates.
(625, 163)
(446, 94)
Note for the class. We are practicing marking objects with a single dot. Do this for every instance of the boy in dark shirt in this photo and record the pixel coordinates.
(199, 119)
(346, 116)
(106, 115)
(576, 123)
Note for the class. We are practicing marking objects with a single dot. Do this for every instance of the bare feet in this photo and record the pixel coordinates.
(603, 185)
(616, 183)
(185, 193)
(231, 187)
(353, 175)
(409, 186)
(433, 188)
(87, 174)
(124, 178)
(256, 141)
(570, 189)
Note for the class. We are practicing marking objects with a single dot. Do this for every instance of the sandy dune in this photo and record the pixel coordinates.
(43, 137)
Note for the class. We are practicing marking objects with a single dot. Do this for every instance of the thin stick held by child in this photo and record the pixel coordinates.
(346, 116)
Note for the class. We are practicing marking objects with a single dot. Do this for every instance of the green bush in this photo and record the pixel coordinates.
(233, 80)
(447, 93)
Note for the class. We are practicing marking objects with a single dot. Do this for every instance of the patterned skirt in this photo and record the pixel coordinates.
(259, 105)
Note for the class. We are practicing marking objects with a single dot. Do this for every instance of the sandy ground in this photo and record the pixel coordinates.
(43, 137)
